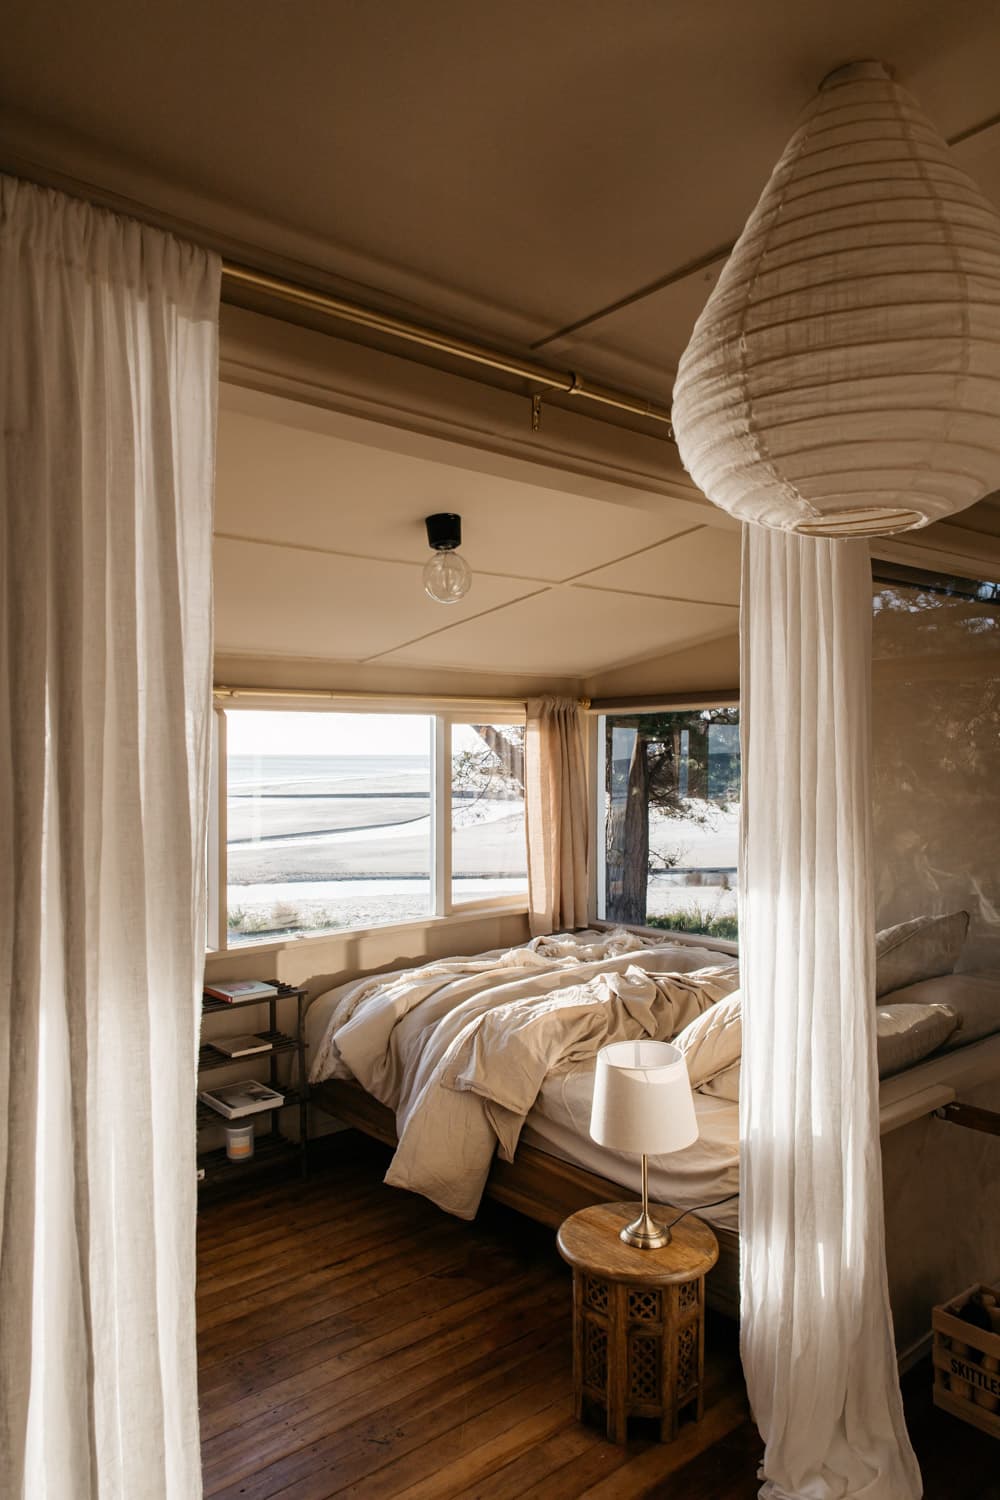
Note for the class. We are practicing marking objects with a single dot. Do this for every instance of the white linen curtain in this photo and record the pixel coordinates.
(816, 1327)
(555, 812)
(108, 378)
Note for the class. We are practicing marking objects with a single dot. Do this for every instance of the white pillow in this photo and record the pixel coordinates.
(905, 1036)
(713, 1041)
(973, 996)
(917, 950)
(725, 1085)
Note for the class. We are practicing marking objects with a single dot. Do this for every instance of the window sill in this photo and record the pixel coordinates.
(667, 935)
(516, 906)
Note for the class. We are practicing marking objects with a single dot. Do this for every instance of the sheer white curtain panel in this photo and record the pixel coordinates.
(816, 1329)
(108, 376)
(555, 773)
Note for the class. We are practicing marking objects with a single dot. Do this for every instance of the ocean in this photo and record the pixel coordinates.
(317, 842)
(271, 773)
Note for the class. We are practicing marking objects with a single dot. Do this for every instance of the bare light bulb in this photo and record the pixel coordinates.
(447, 576)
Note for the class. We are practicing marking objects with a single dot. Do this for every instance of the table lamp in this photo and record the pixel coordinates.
(642, 1103)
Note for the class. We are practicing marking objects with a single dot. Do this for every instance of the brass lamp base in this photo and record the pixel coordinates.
(645, 1234)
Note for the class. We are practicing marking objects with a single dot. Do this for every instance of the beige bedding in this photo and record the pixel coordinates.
(544, 1009)
(460, 1048)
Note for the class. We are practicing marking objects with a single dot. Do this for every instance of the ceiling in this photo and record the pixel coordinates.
(504, 166)
(320, 544)
(563, 179)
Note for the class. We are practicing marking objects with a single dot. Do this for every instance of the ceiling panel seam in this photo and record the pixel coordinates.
(638, 552)
(393, 562)
(597, 588)
(702, 262)
(451, 625)
(609, 562)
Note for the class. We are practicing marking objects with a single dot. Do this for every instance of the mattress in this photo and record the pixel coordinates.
(701, 1174)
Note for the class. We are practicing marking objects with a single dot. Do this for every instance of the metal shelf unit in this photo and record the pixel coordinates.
(272, 1150)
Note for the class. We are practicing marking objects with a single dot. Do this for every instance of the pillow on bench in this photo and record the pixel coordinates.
(906, 1033)
(921, 949)
(974, 997)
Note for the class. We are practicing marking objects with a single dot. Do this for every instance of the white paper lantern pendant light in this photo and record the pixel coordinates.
(844, 377)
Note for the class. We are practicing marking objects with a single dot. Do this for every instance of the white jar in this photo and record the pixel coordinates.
(239, 1141)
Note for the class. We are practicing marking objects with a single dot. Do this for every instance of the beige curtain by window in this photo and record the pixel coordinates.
(555, 774)
(816, 1329)
(107, 404)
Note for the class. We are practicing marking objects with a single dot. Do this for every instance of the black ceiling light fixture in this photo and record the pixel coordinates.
(447, 576)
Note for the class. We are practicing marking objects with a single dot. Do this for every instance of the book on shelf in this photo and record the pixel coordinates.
(243, 1045)
(236, 1099)
(241, 989)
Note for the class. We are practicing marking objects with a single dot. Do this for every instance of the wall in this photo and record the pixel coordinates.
(609, 459)
(936, 739)
(246, 670)
(319, 963)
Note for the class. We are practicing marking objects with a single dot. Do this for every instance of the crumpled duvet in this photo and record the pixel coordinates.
(460, 1048)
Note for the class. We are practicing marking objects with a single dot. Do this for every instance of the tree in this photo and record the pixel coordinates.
(495, 772)
(670, 770)
(507, 744)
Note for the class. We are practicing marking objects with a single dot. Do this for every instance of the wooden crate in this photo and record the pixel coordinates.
(962, 1385)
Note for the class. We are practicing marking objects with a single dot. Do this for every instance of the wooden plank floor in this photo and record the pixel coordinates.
(354, 1341)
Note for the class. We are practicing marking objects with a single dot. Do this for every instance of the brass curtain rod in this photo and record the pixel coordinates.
(570, 384)
(343, 695)
(663, 701)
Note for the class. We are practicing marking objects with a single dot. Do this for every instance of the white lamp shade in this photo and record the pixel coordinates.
(642, 1099)
(844, 376)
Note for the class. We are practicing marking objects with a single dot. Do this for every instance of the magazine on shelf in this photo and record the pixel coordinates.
(241, 989)
(236, 1099)
(243, 1045)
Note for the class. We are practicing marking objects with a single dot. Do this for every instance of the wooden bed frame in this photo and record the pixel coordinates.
(541, 1186)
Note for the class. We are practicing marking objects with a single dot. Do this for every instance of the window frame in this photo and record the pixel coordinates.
(443, 908)
(597, 762)
(451, 908)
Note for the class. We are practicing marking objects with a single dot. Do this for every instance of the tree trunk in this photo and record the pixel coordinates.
(697, 758)
(628, 843)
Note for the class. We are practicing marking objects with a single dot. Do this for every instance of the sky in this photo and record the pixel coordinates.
(252, 731)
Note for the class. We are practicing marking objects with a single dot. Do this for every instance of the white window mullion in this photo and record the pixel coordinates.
(441, 817)
(217, 865)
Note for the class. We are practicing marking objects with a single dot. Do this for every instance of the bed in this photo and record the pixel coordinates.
(404, 1056)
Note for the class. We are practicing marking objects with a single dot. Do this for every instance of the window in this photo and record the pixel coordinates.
(333, 821)
(669, 793)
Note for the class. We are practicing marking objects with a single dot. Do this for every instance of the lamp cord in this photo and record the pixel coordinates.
(699, 1206)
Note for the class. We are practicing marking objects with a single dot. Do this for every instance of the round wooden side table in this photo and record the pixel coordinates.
(638, 1317)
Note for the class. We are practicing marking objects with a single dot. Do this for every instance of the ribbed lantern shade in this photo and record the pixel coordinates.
(844, 377)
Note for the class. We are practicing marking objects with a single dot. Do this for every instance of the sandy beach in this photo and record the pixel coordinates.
(319, 843)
